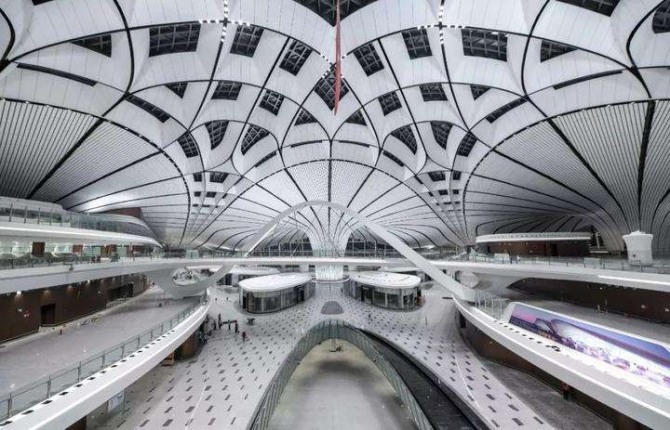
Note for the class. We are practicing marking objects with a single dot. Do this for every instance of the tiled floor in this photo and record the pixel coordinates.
(27, 362)
(326, 384)
(222, 386)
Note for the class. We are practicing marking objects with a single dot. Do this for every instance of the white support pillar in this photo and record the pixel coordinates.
(638, 245)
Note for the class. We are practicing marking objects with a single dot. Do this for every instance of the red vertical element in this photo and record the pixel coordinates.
(338, 56)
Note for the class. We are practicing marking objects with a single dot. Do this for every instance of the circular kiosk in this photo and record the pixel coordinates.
(386, 290)
(273, 293)
(406, 270)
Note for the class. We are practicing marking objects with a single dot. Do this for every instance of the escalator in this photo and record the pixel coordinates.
(443, 408)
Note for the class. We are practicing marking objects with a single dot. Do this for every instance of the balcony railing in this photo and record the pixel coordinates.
(16, 213)
(40, 390)
(658, 266)
(10, 261)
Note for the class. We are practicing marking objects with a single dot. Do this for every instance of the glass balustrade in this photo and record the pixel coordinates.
(40, 390)
(12, 261)
(59, 218)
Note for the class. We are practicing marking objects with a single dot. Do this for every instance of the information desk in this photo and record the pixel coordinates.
(275, 292)
(386, 290)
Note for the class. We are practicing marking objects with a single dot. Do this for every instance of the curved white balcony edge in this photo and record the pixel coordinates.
(71, 235)
(532, 237)
(642, 405)
(31, 278)
(82, 398)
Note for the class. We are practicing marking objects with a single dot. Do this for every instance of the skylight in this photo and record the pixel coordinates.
(102, 44)
(549, 50)
(247, 38)
(253, 136)
(389, 102)
(217, 177)
(484, 43)
(171, 39)
(296, 56)
(406, 136)
(325, 88)
(179, 88)
(156, 112)
(437, 176)
(304, 117)
(432, 92)
(188, 144)
(227, 90)
(478, 90)
(466, 145)
(605, 7)
(272, 102)
(416, 41)
(356, 118)
(441, 131)
(369, 59)
(216, 131)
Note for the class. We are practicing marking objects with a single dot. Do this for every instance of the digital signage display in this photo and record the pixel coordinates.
(641, 357)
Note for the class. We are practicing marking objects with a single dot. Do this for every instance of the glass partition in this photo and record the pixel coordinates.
(390, 298)
(272, 301)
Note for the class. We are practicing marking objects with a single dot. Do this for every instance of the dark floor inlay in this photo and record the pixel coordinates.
(332, 308)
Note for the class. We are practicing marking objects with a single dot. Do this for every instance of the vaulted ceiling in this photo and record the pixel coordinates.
(457, 118)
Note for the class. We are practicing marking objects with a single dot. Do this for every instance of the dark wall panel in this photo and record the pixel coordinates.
(21, 313)
(651, 305)
(568, 248)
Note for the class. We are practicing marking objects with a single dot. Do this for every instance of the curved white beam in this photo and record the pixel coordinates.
(163, 279)
(426, 266)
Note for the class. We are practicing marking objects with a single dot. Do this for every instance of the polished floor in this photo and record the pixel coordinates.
(33, 358)
(222, 386)
(327, 383)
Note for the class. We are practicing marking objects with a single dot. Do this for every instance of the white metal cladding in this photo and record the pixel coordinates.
(586, 145)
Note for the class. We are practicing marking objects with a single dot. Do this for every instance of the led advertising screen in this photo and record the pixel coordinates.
(640, 357)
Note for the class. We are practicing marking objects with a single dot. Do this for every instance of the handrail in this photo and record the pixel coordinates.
(659, 266)
(28, 212)
(40, 390)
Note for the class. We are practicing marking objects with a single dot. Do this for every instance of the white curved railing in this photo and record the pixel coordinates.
(520, 237)
(40, 390)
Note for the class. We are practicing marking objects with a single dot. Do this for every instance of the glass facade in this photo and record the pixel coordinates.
(390, 298)
(273, 301)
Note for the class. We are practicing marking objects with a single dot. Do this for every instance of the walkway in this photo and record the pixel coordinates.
(42, 277)
(221, 388)
(27, 362)
(326, 383)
